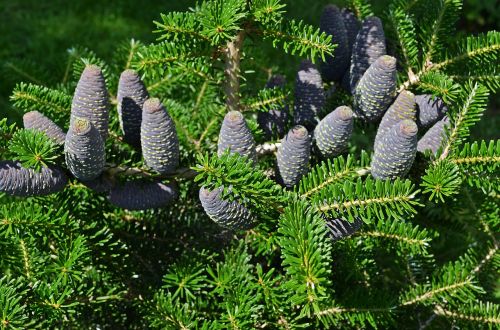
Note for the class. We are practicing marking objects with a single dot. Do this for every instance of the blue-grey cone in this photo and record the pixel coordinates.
(309, 95)
(332, 23)
(17, 180)
(37, 121)
(274, 122)
(430, 110)
(143, 195)
(236, 137)
(433, 138)
(368, 47)
(232, 215)
(352, 26)
(131, 97)
(293, 156)
(402, 108)
(91, 100)
(84, 150)
(376, 89)
(159, 141)
(101, 184)
(334, 131)
(340, 228)
(395, 153)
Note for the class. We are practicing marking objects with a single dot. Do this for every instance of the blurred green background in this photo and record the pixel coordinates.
(36, 34)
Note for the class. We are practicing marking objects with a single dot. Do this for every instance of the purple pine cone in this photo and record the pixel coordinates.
(293, 156)
(236, 136)
(340, 228)
(275, 81)
(37, 121)
(352, 25)
(332, 23)
(368, 47)
(433, 138)
(430, 110)
(142, 195)
(376, 89)
(402, 108)
(231, 215)
(84, 150)
(395, 153)
(131, 97)
(91, 100)
(159, 141)
(309, 95)
(17, 180)
(334, 131)
(274, 121)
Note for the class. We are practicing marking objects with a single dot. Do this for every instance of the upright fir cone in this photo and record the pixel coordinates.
(430, 110)
(332, 23)
(131, 97)
(37, 121)
(84, 150)
(352, 25)
(232, 215)
(368, 47)
(433, 138)
(340, 228)
(160, 145)
(91, 100)
(143, 195)
(376, 89)
(334, 131)
(274, 121)
(309, 95)
(293, 156)
(236, 137)
(17, 180)
(395, 153)
(402, 108)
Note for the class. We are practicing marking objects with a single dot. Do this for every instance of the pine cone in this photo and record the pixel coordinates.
(340, 228)
(101, 184)
(17, 180)
(274, 121)
(368, 47)
(402, 108)
(352, 26)
(143, 195)
(376, 89)
(430, 110)
(334, 131)
(395, 153)
(91, 100)
(236, 136)
(332, 23)
(131, 97)
(433, 138)
(293, 156)
(37, 121)
(160, 145)
(309, 95)
(231, 215)
(84, 150)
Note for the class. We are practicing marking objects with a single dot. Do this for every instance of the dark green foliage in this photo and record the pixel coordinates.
(131, 97)
(293, 156)
(232, 215)
(84, 150)
(309, 95)
(433, 138)
(402, 108)
(91, 100)
(142, 195)
(236, 137)
(395, 152)
(430, 110)
(37, 121)
(33, 149)
(376, 89)
(160, 145)
(334, 131)
(17, 180)
(332, 23)
(368, 47)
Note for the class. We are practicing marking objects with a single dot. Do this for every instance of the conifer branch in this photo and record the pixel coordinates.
(439, 310)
